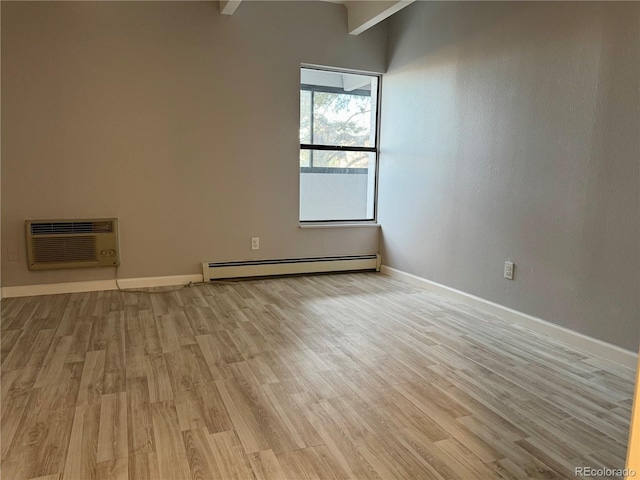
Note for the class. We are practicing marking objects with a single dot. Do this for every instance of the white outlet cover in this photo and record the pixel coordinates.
(508, 270)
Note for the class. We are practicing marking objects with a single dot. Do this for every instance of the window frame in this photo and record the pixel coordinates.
(375, 149)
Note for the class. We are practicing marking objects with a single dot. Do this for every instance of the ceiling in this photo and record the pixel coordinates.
(361, 14)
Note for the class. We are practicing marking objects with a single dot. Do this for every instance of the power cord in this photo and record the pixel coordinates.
(170, 289)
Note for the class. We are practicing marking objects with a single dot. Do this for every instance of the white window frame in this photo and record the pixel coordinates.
(375, 149)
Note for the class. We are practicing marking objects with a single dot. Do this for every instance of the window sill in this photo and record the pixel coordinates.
(340, 225)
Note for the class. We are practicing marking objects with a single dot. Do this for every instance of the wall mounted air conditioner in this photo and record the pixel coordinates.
(78, 243)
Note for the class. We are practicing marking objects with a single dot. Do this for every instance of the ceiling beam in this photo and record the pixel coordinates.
(363, 15)
(227, 7)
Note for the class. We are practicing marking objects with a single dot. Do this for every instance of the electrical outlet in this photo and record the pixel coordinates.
(255, 243)
(12, 254)
(508, 270)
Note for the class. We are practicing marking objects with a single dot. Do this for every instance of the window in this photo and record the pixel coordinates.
(338, 145)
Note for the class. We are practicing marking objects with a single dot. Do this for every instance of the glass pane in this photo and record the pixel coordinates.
(338, 193)
(337, 108)
(304, 158)
(339, 159)
(305, 116)
(341, 119)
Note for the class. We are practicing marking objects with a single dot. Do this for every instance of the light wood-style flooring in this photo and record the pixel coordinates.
(320, 377)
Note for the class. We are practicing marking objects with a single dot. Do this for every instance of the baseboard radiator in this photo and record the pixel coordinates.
(291, 266)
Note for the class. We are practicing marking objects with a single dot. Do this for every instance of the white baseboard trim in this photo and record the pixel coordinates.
(97, 285)
(159, 281)
(574, 339)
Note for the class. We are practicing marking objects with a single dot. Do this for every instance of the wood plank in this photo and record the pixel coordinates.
(114, 364)
(8, 341)
(134, 341)
(311, 463)
(219, 351)
(112, 436)
(33, 361)
(212, 408)
(117, 469)
(80, 340)
(40, 440)
(91, 381)
(293, 416)
(163, 303)
(83, 444)
(158, 379)
(6, 382)
(266, 466)
(228, 455)
(70, 316)
(52, 366)
(143, 466)
(463, 461)
(16, 312)
(64, 394)
(341, 445)
(54, 476)
(98, 337)
(172, 457)
(149, 327)
(14, 408)
(202, 320)
(241, 412)
(168, 333)
(51, 310)
(140, 433)
(201, 460)
(448, 423)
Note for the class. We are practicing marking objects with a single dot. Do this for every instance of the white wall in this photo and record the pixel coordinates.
(510, 132)
(178, 120)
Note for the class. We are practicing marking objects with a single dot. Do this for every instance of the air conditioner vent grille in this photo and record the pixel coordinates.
(60, 228)
(79, 248)
(72, 243)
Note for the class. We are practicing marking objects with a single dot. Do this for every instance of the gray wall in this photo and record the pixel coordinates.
(510, 131)
(178, 120)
